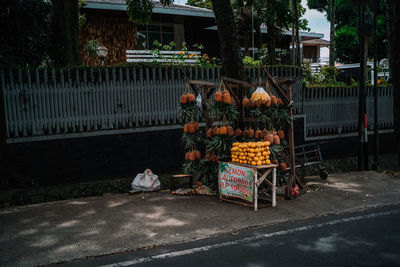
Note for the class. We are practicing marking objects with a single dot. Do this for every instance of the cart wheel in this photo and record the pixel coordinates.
(323, 174)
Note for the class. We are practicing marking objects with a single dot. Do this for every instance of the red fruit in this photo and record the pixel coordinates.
(245, 102)
(209, 133)
(226, 97)
(283, 166)
(190, 98)
(238, 132)
(281, 134)
(277, 141)
(218, 96)
(258, 133)
(230, 131)
(184, 99)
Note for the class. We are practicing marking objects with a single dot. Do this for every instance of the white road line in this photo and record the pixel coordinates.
(248, 239)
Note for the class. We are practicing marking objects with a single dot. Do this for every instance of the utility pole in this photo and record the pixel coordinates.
(332, 35)
(376, 130)
(294, 50)
(362, 112)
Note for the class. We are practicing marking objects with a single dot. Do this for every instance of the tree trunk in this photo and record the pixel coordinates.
(296, 28)
(366, 41)
(332, 35)
(271, 44)
(232, 65)
(66, 31)
(246, 41)
(393, 11)
(258, 36)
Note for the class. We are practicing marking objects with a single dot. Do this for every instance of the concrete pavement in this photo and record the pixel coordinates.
(66, 230)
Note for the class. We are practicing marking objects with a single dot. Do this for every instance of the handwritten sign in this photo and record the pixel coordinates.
(236, 181)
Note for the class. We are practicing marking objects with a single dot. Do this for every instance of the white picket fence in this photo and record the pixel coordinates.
(48, 103)
(44, 104)
(334, 110)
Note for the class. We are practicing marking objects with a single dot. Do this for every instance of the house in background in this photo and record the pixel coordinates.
(311, 49)
(108, 23)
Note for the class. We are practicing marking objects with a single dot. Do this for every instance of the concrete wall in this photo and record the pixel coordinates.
(88, 159)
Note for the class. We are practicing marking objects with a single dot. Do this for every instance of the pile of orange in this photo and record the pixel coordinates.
(251, 153)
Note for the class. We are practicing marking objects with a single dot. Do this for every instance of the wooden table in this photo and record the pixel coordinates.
(260, 176)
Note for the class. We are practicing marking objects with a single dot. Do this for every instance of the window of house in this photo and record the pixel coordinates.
(147, 34)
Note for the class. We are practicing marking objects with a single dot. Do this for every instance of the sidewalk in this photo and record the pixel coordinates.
(66, 230)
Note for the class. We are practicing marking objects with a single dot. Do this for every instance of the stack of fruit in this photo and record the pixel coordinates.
(252, 153)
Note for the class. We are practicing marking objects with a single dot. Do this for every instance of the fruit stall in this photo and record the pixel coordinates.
(247, 144)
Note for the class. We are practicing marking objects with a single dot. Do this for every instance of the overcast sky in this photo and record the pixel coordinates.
(316, 21)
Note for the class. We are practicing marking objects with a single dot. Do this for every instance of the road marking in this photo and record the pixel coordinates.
(247, 239)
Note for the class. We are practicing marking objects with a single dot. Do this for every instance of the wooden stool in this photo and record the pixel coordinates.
(174, 177)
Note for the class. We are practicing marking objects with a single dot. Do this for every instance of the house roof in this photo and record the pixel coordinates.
(173, 9)
(182, 10)
(303, 35)
(316, 42)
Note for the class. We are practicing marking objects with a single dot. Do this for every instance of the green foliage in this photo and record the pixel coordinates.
(192, 167)
(179, 59)
(226, 113)
(140, 11)
(26, 34)
(320, 5)
(189, 112)
(200, 3)
(220, 144)
(276, 151)
(280, 116)
(249, 61)
(264, 54)
(347, 44)
(330, 73)
(91, 47)
(191, 140)
(326, 77)
(346, 27)
(81, 17)
(275, 116)
(303, 23)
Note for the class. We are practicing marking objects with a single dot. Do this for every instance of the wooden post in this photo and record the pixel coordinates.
(291, 145)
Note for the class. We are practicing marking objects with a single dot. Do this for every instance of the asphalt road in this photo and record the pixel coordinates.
(368, 238)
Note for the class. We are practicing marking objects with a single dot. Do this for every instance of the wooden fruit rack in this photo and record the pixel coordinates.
(236, 89)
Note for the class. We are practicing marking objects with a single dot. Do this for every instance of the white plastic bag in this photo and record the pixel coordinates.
(260, 95)
(146, 181)
(199, 100)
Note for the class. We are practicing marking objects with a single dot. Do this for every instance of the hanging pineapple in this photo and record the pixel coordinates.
(258, 133)
(245, 102)
(230, 131)
(209, 133)
(184, 99)
(190, 98)
(238, 132)
(226, 97)
(218, 96)
(281, 134)
(223, 130)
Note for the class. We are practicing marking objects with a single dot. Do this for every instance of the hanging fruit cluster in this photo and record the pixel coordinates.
(193, 155)
(187, 98)
(223, 108)
(191, 127)
(189, 113)
(251, 153)
(224, 112)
